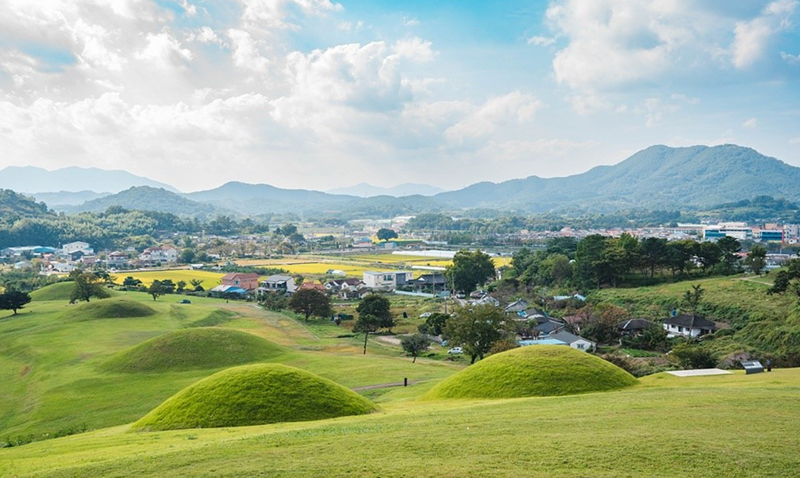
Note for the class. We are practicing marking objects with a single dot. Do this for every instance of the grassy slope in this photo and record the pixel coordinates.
(62, 291)
(533, 372)
(197, 348)
(761, 322)
(664, 427)
(52, 375)
(254, 395)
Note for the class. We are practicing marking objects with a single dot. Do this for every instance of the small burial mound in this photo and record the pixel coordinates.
(117, 308)
(63, 291)
(190, 349)
(533, 371)
(255, 395)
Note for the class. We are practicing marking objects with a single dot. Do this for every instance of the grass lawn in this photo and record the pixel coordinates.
(55, 378)
(664, 427)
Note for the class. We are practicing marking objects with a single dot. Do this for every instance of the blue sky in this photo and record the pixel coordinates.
(322, 94)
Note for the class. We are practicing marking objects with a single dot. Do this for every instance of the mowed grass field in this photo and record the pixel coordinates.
(729, 426)
(66, 367)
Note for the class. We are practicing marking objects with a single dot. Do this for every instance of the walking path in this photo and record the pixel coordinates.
(383, 385)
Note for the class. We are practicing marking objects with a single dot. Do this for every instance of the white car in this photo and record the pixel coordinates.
(425, 315)
(455, 351)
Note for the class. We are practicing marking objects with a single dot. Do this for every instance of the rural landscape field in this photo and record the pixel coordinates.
(347, 238)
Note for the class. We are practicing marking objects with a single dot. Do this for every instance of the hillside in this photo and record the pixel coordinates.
(29, 179)
(263, 198)
(146, 198)
(654, 177)
(14, 205)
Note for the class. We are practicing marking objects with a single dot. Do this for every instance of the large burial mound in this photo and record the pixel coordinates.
(255, 395)
(188, 349)
(63, 291)
(533, 371)
(117, 308)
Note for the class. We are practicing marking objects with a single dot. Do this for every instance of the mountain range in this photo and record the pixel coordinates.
(365, 190)
(30, 179)
(658, 177)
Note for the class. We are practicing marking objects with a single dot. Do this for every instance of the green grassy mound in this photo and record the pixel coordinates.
(201, 348)
(218, 317)
(117, 308)
(63, 290)
(533, 371)
(255, 395)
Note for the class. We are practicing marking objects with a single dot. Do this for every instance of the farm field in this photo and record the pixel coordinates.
(210, 279)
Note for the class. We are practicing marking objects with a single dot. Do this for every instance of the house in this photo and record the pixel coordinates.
(350, 288)
(278, 283)
(574, 341)
(246, 281)
(117, 260)
(688, 326)
(548, 328)
(387, 280)
(634, 326)
(430, 283)
(516, 306)
(485, 300)
(314, 286)
(159, 255)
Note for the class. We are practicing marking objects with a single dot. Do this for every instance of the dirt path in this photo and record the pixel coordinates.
(753, 279)
(383, 385)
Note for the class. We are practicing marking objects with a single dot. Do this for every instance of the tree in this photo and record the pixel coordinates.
(709, 254)
(469, 269)
(385, 234)
(311, 302)
(366, 323)
(14, 300)
(87, 285)
(131, 282)
(729, 247)
(197, 285)
(693, 297)
(653, 253)
(180, 286)
(475, 329)
(436, 322)
(415, 345)
(156, 289)
(601, 325)
(757, 259)
(378, 307)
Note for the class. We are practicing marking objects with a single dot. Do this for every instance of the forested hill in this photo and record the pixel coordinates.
(15, 206)
(145, 198)
(698, 176)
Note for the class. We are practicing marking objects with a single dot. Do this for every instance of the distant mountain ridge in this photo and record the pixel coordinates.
(30, 179)
(146, 198)
(657, 178)
(365, 190)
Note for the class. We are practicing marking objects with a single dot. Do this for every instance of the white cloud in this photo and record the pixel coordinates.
(188, 8)
(414, 49)
(274, 13)
(752, 37)
(541, 41)
(618, 43)
(205, 35)
(790, 59)
(164, 50)
(246, 51)
(410, 22)
(514, 107)
(750, 124)
(795, 140)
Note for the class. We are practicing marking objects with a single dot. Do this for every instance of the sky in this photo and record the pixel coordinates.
(318, 94)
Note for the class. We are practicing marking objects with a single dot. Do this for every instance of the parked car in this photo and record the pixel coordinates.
(455, 351)
(425, 315)
(186, 301)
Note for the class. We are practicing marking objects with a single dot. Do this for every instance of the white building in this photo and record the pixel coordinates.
(387, 280)
(75, 247)
(688, 326)
(159, 255)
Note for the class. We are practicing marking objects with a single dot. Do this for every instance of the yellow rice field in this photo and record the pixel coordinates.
(210, 279)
